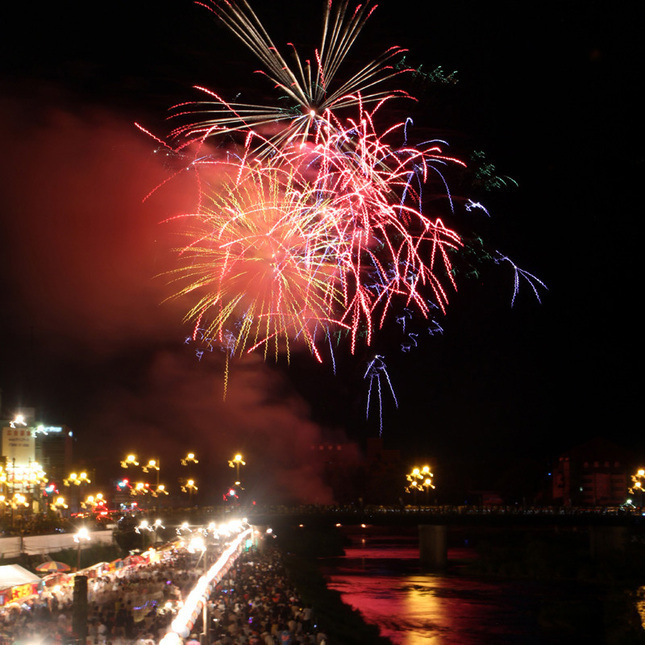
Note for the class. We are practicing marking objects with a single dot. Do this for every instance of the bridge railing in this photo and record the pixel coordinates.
(449, 514)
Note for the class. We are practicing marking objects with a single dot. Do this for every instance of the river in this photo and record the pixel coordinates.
(380, 576)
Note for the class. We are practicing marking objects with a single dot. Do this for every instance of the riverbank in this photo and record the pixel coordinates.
(301, 549)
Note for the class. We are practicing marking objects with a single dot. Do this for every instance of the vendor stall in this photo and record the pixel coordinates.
(17, 583)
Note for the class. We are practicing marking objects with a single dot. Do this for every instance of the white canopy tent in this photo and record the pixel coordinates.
(12, 575)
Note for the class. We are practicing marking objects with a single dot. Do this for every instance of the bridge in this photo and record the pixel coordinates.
(608, 530)
(502, 516)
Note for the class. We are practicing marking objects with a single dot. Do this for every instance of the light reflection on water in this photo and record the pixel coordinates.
(381, 578)
(640, 604)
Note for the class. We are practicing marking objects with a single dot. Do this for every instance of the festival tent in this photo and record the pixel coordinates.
(17, 583)
(13, 575)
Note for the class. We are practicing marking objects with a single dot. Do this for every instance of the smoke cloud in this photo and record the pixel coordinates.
(94, 335)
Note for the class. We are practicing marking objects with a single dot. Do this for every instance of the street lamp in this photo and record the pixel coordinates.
(59, 504)
(420, 479)
(77, 479)
(140, 488)
(81, 535)
(130, 460)
(153, 464)
(236, 462)
(144, 525)
(190, 488)
(19, 501)
(93, 501)
(189, 459)
(160, 490)
(155, 527)
(638, 482)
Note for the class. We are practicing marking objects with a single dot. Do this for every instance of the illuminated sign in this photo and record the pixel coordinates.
(48, 430)
(23, 591)
(18, 446)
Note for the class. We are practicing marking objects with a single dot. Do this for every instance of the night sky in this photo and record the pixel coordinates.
(547, 90)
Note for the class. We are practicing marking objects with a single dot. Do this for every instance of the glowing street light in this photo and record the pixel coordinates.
(59, 504)
(144, 525)
(19, 421)
(129, 461)
(160, 490)
(420, 479)
(77, 479)
(153, 464)
(140, 488)
(236, 462)
(189, 487)
(155, 527)
(92, 501)
(81, 536)
(19, 501)
(638, 483)
(189, 459)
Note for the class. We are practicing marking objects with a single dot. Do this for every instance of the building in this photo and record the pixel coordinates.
(592, 474)
(336, 461)
(33, 454)
(53, 451)
(384, 474)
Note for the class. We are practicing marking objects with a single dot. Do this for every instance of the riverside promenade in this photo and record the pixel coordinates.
(244, 595)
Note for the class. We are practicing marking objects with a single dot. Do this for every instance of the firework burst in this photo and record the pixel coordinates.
(309, 88)
(391, 249)
(262, 261)
(314, 225)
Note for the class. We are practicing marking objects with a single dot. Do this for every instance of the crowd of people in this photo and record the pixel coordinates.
(258, 605)
(255, 604)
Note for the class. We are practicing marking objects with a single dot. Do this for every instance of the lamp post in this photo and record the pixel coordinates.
(59, 504)
(189, 459)
(93, 502)
(153, 464)
(420, 479)
(75, 481)
(638, 481)
(130, 460)
(189, 487)
(141, 488)
(188, 483)
(80, 536)
(155, 527)
(158, 492)
(236, 462)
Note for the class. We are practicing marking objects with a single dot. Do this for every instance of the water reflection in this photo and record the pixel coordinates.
(424, 609)
(380, 577)
(640, 604)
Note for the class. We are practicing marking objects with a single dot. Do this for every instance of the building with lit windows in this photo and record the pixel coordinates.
(32, 454)
(592, 474)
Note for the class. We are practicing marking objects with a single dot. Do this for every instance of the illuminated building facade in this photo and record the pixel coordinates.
(32, 455)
